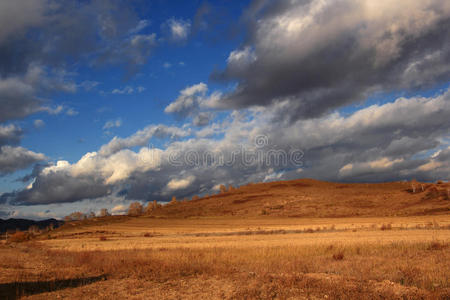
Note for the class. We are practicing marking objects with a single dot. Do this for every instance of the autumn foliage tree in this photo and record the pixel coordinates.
(135, 209)
(104, 212)
(223, 189)
(75, 216)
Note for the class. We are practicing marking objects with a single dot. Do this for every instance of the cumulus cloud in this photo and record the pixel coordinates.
(141, 138)
(17, 99)
(321, 55)
(16, 158)
(178, 30)
(377, 143)
(10, 134)
(178, 184)
(188, 100)
(192, 101)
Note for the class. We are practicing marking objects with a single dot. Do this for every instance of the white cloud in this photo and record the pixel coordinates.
(376, 143)
(178, 184)
(119, 209)
(141, 138)
(71, 112)
(371, 167)
(113, 124)
(140, 26)
(192, 99)
(38, 123)
(179, 29)
(53, 110)
(126, 90)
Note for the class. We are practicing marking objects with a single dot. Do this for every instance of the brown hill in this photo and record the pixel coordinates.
(313, 198)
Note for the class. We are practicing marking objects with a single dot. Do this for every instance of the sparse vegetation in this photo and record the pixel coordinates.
(386, 227)
(338, 256)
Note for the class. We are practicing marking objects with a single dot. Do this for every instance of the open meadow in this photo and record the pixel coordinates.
(301, 239)
(229, 257)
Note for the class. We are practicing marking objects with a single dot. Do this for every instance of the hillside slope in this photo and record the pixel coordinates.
(313, 198)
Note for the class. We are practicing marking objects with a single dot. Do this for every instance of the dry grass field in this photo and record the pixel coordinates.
(398, 248)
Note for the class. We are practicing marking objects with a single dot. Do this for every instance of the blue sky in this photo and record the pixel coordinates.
(93, 91)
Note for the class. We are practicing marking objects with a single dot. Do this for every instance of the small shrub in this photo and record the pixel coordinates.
(148, 234)
(338, 256)
(19, 237)
(103, 238)
(436, 245)
(386, 227)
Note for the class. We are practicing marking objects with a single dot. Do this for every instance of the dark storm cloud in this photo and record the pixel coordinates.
(321, 55)
(37, 168)
(59, 188)
(17, 158)
(55, 34)
(10, 134)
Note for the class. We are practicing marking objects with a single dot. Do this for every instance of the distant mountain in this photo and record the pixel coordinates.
(24, 224)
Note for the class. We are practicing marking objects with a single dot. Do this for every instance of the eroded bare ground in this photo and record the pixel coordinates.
(216, 258)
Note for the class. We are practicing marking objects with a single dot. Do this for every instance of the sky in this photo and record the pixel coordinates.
(106, 102)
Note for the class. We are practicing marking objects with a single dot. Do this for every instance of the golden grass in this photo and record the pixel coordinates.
(216, 258)
(340, 270)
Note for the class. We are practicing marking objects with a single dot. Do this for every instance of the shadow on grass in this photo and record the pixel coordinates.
(15, 290)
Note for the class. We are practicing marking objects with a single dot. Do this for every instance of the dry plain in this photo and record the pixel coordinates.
(233, 255)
